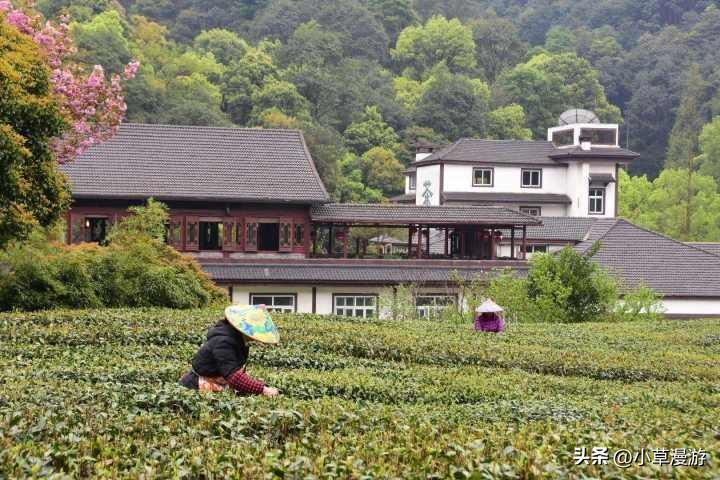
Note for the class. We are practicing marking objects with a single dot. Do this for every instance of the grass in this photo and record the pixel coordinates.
(94, 393)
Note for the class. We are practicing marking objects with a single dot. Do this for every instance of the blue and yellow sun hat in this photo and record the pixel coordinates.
(253, 321)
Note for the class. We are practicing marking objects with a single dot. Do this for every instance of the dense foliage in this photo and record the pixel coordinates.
(357, 75)
(137, 268)
(51, 110)
(95, 393)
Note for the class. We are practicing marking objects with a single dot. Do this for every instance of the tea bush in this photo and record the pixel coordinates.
(94, 393)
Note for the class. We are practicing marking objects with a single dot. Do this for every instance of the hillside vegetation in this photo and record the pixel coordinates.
(95, 393)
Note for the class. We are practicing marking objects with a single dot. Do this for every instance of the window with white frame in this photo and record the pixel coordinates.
(429, 306)
(283, 302)
(536, 249)
(482, 177)
(412, 181)
(534, 211)
(531, 177)
(364, 306)
(596, 205)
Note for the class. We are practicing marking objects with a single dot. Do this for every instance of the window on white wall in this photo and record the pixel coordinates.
(412, 181)
(482, 177)
(364, 306)
(429, 306)
(274, 302)
(596, 205)
(537, 249)
(534, 211)
(531, 177)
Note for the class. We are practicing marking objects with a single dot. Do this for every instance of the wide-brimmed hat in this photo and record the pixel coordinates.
(253, 321)
(488, 306)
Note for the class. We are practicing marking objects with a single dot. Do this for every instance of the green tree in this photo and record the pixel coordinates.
(311, 44)
(420, 48)
(498, 45)
(370, 131)
(709, 159)
(634, 196)
(32, 190)
(547, 85)
(689, 121)
(569, 287)
(382, 170)
(227, 46)
(507, 123)
(560, 40)
(351, 187)
(102, 41)
(685, 205)
(394, 15)
(280, 95)
(453, 105)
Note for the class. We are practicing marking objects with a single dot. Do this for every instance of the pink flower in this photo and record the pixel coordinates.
(93, 105)
(131, 69)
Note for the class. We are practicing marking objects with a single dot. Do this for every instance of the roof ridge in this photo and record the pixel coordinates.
(210, 127)
(612, 224)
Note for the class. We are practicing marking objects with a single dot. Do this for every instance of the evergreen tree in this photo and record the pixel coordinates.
(690, 118)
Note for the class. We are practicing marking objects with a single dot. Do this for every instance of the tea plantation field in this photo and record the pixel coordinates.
(95, 394)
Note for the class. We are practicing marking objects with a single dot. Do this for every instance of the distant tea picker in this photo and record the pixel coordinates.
(220, 363)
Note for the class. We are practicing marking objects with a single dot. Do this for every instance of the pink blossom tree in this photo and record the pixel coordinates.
(93, 105)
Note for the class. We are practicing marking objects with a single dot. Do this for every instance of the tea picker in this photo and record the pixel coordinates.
(220, 363)
(489, 317)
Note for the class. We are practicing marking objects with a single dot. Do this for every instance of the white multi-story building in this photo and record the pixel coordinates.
(572, 174)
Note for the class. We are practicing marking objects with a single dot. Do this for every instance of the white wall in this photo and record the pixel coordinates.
(241, 294)
(608, 168)
(696, 307)
(507, 179)
(504, 249)
(428, 173)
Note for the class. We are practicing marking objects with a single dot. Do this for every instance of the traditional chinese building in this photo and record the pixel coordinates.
(249, 204)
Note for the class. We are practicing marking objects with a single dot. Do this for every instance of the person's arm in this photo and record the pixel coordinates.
(241, 382)
(230, 365)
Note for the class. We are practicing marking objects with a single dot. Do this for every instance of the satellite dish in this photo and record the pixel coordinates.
(577, 115)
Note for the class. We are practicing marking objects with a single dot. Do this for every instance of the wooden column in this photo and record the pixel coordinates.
(427, 241)
(419, 242)
(346, 239)
(411, 229)
(524, 243)
(313, 239)
(331, 241)
(447, 233)
(512, 243)
(493, 253)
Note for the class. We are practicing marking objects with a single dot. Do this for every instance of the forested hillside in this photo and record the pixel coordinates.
(365, 78)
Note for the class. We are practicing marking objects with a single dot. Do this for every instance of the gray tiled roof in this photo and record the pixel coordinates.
(635, 254)
(309, 272)
(499, 197)
(495, 151)
(710, 247)
(571, 229)
(359, 213)
(474, 150)
(198, 163)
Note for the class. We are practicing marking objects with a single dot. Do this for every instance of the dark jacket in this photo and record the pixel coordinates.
(224, 352)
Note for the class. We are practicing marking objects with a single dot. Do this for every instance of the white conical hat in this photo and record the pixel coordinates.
(488, 306)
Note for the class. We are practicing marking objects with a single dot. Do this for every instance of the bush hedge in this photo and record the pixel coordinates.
(135, 269)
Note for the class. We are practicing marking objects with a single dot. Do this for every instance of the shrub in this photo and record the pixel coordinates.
(643, 303)
(570, 287)
(136, 269)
